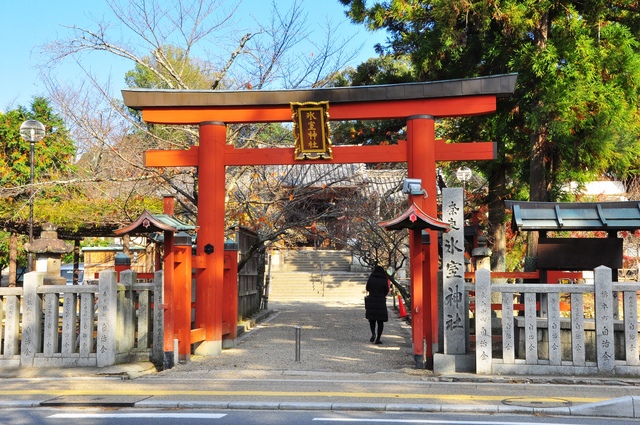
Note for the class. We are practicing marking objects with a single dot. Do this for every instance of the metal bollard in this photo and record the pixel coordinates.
(298, 331)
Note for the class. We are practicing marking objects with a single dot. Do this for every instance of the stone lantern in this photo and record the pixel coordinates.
(482, 254)
(48, 250)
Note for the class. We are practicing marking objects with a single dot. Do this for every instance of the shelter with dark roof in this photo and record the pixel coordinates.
(571, 253)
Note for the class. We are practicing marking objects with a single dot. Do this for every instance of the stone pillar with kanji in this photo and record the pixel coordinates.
(453, 357)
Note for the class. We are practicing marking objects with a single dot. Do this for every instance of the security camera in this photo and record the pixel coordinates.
(413, 187)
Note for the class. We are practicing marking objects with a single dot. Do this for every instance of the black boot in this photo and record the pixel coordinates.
(372, 326)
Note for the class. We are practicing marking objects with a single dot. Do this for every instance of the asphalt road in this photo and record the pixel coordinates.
(195, 417)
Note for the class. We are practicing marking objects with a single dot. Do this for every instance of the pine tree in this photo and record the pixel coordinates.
(573, 115)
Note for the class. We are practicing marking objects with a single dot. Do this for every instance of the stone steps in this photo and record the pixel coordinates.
(316, 261)
(301, 286)
(316, 274)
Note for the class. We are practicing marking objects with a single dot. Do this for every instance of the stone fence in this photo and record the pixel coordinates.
(545, 331)
(99, 324)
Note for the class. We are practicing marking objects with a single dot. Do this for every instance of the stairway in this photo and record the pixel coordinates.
(311, 261)
(317, 274)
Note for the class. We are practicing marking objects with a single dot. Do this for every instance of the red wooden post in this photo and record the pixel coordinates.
(168, 204)
(210, 237)
(182, 294)
(121, 262)
(421, 163)
(230, 309)
(169, 255)
(417, 296)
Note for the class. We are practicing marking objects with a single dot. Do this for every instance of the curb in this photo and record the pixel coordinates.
(623, 407)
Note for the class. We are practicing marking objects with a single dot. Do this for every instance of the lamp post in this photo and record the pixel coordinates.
(464, 175)
(32, 131)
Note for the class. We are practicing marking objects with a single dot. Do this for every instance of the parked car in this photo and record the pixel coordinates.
(66, 271)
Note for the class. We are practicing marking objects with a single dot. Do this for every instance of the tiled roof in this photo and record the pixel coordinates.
(383, 182)
(607, 216)
(498, 85)
(150, 223)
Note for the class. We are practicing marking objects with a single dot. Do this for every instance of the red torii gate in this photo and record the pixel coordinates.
(418, 103)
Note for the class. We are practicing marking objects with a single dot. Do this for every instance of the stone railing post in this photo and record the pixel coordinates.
(604, 306)
(126, 312)
(31, 318)
(157, 355)
(107, 318)
(11, 314)
(483, 322)
(143, 319)
(69, 326)
(87, 319)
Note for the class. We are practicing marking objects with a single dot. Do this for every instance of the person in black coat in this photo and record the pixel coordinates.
(376, 302)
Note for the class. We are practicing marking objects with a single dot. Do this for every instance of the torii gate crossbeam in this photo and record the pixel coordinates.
(418, 103)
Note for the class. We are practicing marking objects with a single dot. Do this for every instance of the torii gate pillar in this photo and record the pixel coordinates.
(210, 236)
(424, 257)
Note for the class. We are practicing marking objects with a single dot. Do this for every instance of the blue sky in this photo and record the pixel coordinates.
(27, 24)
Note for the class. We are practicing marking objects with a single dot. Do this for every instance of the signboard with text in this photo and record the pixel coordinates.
(311, 130)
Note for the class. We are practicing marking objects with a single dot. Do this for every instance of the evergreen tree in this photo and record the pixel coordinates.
(53, 158)
(573, 115)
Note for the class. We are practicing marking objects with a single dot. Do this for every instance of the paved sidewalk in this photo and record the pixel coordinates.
(339, 369)
(337, 360)
(334, 337)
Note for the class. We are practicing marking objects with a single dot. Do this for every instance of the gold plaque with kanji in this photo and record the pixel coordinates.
(311, 130)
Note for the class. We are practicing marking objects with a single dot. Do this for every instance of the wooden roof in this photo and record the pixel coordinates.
(498, 85)
(153, 223)
(450, 98)
(606, 216)
(415, 219)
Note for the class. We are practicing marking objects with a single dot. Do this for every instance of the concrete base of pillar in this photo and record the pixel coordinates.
(452, 363)
(229, 343)
(419, 358)
(209, 348)
(168, 360)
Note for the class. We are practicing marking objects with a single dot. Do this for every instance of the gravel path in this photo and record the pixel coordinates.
(334, 338)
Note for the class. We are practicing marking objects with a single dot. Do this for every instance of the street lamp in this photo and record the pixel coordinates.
(464, 175)
(32, 131)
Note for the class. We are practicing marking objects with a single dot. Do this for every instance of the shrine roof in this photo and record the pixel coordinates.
(498, 85)
(152, 223)
(606, 216)
(415, 219)
(320, 175)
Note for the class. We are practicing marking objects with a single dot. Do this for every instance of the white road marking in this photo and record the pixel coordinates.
(428, 421)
